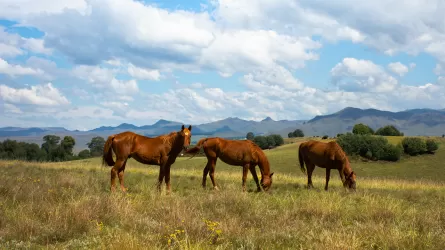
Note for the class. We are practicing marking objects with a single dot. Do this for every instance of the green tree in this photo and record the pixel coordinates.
(298, 133)
(270, 141)
(250, 136)
(67, 145)
(362, 129)
(261, 141)
(84, 154)
(96, 146)
(50, 143)
(278, 139)
(388, 130)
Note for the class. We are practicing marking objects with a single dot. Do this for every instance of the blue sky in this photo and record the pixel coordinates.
(82, 64)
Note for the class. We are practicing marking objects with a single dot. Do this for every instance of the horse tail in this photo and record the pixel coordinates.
(300, 158)
(107, 156)
(196, 148)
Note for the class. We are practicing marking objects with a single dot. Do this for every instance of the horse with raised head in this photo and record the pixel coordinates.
(329, 156)
(161, 150)
(243, 153)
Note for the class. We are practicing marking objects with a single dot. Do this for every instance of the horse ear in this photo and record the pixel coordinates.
(350, 175)
(271, 174)
(190, 128)
(182, 128)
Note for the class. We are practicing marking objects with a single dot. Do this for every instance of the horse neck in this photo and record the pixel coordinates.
(346, 167)
(176, 142)
(263, 164)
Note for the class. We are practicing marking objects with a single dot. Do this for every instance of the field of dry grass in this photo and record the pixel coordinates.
(69, 206)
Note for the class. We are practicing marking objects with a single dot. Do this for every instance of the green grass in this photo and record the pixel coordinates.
(69, 206)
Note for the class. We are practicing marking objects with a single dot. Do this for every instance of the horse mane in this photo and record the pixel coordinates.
(336, 150)
(169, 138)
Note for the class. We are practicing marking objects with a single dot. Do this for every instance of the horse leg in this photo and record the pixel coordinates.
(245, 170)
(167, 177)
(121, 176)
(255, 177)
(310, 169)
(161, 177)
(328, 174)
(114, 172)
(212, 173)
(205, 173)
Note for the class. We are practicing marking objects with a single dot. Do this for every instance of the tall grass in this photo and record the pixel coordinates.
(69, 206)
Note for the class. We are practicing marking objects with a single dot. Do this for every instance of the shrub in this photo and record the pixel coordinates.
(324, 137)
(431, 145)
(370, 147)
(388, 130)
(413, 146)
(392, 152)
(296, 133)
(84, 154)
(261, 141)
(362, 129)
(278, 139)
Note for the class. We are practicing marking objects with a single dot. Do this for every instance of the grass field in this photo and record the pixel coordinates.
(69, 206)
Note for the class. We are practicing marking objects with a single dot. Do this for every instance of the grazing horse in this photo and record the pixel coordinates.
(243, 153)
(326, 155)
(161, 150)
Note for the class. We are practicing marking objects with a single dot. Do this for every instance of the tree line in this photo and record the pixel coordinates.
(372, 145)
(266, 142)
(53, 149)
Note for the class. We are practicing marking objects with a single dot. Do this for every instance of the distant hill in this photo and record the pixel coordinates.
(428, 122)
(411, 122)
(231, 127)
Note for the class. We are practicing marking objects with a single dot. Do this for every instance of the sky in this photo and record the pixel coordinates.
(81, 64)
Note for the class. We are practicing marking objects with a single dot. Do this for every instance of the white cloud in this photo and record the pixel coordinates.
(362, 75)
(7, 50)
(143, 74)
(42, 95)
(104, 78)
(36, 45)
(398, 68)
(17, 70)
(412, 65)
(10, 108)
(189, 41)
(18, 9)
(12, 45)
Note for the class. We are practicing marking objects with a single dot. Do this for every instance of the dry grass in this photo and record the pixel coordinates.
(68, 206)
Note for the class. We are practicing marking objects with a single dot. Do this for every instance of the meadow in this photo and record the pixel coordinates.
(68, 206)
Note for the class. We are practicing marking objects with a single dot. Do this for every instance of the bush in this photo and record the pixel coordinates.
(265, 142)
(370, 147)
(297, 133)
(389, 130)
(278, 139)
(392, 152)
(362, 129)
(324, 137)
(261, 141)
(413, 146)
(84, 154)
(431, 145)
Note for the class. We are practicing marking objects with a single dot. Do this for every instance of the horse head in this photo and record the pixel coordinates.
(266, 181)
(350, 181)
(186, 135)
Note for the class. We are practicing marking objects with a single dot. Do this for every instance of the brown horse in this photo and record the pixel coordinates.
(326, 155)
(161, 150)
(243, 153)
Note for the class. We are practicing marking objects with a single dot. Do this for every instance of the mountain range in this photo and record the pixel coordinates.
(428, 122)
